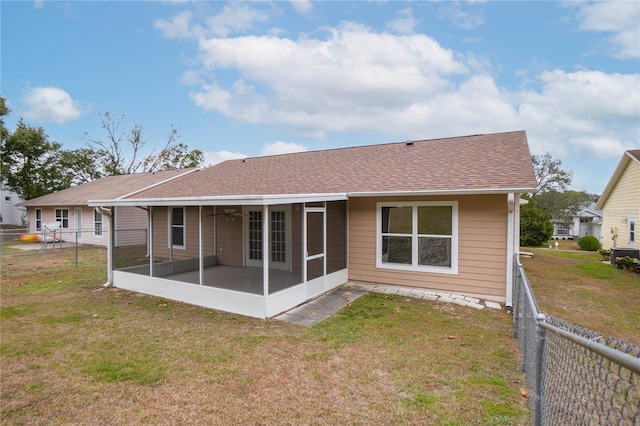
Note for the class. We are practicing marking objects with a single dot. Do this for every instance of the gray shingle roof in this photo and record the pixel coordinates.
(491, 162)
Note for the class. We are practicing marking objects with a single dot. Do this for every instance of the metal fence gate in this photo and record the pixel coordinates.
(574, 376)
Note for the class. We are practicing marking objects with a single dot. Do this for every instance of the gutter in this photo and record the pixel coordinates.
(107, 212)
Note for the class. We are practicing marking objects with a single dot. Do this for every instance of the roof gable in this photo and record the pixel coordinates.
(631, 156)
(494, 162)
(107, 187)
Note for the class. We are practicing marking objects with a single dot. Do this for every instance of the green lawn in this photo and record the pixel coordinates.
(72, 355)
(578, 287)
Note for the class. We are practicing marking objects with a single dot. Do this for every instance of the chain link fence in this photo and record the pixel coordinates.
(574, 376)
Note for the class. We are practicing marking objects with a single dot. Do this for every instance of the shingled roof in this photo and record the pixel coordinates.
(109, 187)
(498, 162)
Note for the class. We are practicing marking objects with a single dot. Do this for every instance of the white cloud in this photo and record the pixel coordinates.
(460, 18)
(585, 112)
(409, 87)
(618, 18)
(280, 147)
(304, 7)
(405, 23)
(235, 17)
(211, 158)
(179, 27)
(50, 104)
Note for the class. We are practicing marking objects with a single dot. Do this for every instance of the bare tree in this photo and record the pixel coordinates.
(121, 152)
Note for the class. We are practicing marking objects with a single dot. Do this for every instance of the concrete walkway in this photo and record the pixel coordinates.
(322, 307)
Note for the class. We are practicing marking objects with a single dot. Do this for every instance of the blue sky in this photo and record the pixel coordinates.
(257, 78)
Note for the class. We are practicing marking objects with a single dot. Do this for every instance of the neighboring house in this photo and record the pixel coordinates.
(261, 235)
(620, 203)
(10, 213)
(587, 221)
(70, 207)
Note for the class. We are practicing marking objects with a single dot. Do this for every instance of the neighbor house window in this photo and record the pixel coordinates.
(38, 219)
(419, 236)
(177, 227)
(563, 229)
(97, 223)
(62, 216)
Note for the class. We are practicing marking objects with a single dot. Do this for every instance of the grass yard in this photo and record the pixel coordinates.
(71, 355)
(577, 287)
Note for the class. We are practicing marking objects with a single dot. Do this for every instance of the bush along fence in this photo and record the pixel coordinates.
(573, 375)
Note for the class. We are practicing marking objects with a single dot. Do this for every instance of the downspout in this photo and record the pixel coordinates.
(107, 212)
(511, 240)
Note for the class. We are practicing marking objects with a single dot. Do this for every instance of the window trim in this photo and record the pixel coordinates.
(68, 218)
(96, 222)
(38, 219)
(453, 269)
(183, 226)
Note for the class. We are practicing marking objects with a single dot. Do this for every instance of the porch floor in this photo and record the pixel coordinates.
(246, 280)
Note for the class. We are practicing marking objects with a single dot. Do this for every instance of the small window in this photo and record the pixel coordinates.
(563, 228)
(632, 231)
(38, 220)
(177, 227)
(62, 216)
(418, 236)
(7, 198)
(97, 223)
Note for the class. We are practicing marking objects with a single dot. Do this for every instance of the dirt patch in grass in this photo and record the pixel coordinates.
(579, 288)
(71, 355)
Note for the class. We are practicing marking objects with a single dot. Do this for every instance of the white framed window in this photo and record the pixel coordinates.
(97, 223)
(563, 228)
(177, 221)
(62, 216)
(39, 219)
(417, 236)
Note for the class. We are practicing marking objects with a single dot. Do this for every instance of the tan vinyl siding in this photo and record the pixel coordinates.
(191, 249)
(482, 242)
(229, 238)
(130, 225)
(624, 201)
(296, 238)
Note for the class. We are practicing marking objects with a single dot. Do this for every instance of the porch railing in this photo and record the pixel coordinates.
(573, 375)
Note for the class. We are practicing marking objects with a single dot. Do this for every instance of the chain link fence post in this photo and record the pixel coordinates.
(539, 367)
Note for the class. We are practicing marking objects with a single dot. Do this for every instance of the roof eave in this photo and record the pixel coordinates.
(479, 191)
(613, 180)
(222, 200)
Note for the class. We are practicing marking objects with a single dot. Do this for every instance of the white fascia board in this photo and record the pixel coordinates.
(246, 200)
(485, 191)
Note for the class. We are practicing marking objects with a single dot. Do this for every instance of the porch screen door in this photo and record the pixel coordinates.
(279, 243)
(315, 243)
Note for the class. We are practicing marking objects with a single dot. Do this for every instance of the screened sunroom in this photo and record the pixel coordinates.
(249, 258)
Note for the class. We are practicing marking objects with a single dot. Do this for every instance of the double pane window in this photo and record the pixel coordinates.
(420, 236)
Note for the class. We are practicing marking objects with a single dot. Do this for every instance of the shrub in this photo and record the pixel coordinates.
(604, 254)
(627, 263)
(589, 243)
(535, 226)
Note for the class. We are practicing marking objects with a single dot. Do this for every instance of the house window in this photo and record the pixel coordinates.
(632, 230)
(97, 223)
(563, 229)
(7, 198)
(420, 236)
(38, 219)
(62, 216)
(177, 227)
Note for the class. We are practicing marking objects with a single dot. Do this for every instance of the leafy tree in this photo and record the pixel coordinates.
(121, 151)
(535, 226)
(79, 165)
(549, 173)
(4, 110)
(30, 162)
(564, 205)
